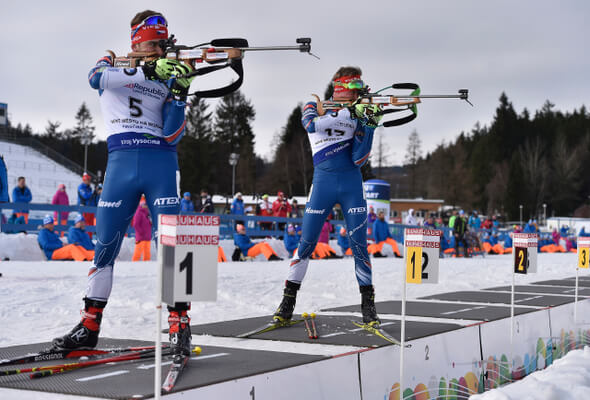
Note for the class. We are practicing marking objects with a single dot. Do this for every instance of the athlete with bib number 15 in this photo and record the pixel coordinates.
(341, 142)
(143, 109)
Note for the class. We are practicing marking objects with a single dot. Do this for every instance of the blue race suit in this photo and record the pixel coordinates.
(144, 124)
(340, 145)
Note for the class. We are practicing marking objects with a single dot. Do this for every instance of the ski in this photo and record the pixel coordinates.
(271, 326)
(40, 372)
(178, 364)
(379, 332)
(61, 354)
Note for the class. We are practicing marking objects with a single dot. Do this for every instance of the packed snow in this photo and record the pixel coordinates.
(40, 300)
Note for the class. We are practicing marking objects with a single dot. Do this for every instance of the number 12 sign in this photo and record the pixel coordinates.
(422, 251)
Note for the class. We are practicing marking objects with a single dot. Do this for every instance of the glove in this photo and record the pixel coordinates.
(367, 113)
(181, 85)
(162, 69)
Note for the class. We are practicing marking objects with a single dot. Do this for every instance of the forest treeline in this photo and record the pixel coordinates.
(527, 159)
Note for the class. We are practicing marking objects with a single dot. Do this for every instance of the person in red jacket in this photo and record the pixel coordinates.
(143, 232)
(281, 208)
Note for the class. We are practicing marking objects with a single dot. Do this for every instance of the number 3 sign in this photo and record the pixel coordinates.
(583, 249)
(187, 254)
(422, 250)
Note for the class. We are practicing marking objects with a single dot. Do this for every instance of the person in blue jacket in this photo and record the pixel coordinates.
(237, 205)
(186, 204)
(251, 249)
(4, 198)
(78, 236)
(85, 193)
(343, 242)
(54, 248)
(383, 236)
(144, 112)
(22, 194)
(341, 140)
(291, 239)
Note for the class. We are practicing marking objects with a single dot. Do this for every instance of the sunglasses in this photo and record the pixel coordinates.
(355, 84)
(153, 20)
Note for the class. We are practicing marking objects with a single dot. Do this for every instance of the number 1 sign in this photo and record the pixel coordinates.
(187, 254)
(422, 251)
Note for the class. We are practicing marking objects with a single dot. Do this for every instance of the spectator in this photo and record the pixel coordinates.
(4, 198)
(429, 223)
(371, 216)
(496, 223)
(529, 227)
(327, 228)
(186, 204)
(22, 194)
(265, 210)
(15, 220)
(61, 198)
(295, 211)
(410, 219)
(452, 219)
(344, 242)
(583, 232)
(281, 208)
(555, 236)
(291, 240)
(237, 205)
(85, 198)
(459, 229)
(143, 232)
(382, 236)
(474, 221)
(96, 196)
(204, 203)
(54, 248)
(250, 249)
(78, 236)
(563, 231)
(487, 224)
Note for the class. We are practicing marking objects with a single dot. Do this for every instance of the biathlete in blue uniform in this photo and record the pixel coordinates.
(144, 117)
(341, 142)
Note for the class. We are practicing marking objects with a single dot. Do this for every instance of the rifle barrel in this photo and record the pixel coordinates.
(301, 47)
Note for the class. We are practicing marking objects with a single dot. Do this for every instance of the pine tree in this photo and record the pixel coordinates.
(84, 127)
(52, 130)
(413, 155)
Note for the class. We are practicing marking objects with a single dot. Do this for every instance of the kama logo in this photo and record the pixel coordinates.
(109, 204)
(310, 210)
(166, 201)
(357, 210)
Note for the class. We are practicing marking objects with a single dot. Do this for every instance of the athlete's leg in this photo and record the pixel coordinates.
(115, 210)
(354, 208)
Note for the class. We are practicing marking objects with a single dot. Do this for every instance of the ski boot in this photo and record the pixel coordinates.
(85, 334)
(180, 330)
(285, 311)
(368, 309)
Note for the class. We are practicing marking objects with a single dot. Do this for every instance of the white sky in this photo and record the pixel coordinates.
(532, 49)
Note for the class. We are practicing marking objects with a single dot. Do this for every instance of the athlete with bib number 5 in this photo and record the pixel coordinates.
(341, 142)
(143, 109)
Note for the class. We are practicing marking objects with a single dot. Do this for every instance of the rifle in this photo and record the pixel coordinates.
(397, 103)
(218, 53)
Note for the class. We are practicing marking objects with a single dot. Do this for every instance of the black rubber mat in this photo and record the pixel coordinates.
(560, 290)
(564, 282)
(135, 379)
(337, 330)
(475, 312)
(523, 299)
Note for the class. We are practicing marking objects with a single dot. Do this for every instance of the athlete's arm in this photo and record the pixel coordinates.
(362, 142)
(105, 76)
(174, 121)
(310, 113)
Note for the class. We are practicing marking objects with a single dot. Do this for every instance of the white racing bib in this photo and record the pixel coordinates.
(135, 106)
(334, 133)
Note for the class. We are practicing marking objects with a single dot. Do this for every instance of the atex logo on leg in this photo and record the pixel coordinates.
(357, 210)
(166, 201)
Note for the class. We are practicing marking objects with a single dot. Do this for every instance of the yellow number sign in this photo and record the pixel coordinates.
(414, 265)
(583, 257)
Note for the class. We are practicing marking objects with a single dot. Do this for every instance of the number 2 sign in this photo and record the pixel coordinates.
(525, 252)
(422, 250)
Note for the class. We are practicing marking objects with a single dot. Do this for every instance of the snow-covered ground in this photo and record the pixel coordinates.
(42, 174)
(40, 300)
